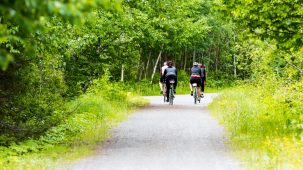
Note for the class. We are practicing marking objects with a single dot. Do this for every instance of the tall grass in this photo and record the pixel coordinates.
(91, 115)
(264, 122)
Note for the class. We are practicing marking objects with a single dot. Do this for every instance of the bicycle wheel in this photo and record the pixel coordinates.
(195, 95)
(164, 94)
(171, 96)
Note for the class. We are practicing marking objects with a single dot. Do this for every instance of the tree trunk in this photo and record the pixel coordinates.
(155, 67)
(185, 60)
(217, 53)
(141, 72)
(234, 57)
(181, 61)
(147, 65)
(216, 61)
(175, 60)
(194, 55)
(139, 66)
(235, 66)
(122, 73)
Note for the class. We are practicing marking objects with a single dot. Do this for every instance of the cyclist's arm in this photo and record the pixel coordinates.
(165, 72)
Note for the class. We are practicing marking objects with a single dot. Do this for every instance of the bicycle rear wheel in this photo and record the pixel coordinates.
(164, 94)
(195, 95)
(171, 96)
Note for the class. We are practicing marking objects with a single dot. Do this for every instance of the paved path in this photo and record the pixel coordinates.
(162, 137)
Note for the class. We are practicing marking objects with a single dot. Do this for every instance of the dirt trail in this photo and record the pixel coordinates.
(162, 137)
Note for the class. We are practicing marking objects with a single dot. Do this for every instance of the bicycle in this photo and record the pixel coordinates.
(164, 92)
(171, 92)
(196, 96)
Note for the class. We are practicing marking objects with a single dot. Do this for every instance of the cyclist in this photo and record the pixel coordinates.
(170, 73)
(203, 77)
(195, 77)
(161, 82)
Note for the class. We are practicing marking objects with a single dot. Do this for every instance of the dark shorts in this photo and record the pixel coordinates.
(171, 77)
(196, 80)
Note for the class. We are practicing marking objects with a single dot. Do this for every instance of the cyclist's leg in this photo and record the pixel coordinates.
(161, 89)
(161, 85)
(164, 87)
(191, 86)
(199, 86)
(202, 85)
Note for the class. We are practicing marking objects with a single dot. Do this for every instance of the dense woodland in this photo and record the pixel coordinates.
(51, 51)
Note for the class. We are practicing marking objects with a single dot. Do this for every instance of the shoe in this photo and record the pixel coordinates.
(191, 93)
(161, 92)
(202, 95)
(174, 91)
(167, 100)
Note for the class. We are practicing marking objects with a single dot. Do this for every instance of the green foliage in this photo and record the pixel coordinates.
(33, 86)
(54, 51)
(264, 115)
(20, 19)
(90, 116)
(258, 113)
(277, 20)
(33, 92)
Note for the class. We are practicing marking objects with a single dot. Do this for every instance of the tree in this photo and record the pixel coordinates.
(20, 19)
(279, 20)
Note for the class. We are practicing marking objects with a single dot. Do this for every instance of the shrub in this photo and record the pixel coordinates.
(33, 99)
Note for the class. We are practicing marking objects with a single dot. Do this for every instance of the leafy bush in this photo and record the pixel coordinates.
(34, 99)
(89, 118)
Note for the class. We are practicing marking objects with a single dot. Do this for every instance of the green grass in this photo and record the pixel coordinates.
(92, 115)
(264, 124)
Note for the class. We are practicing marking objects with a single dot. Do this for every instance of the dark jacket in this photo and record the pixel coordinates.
(203, 76)
(195, 72)
(170, 71)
